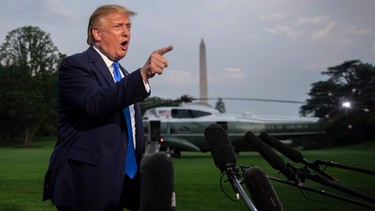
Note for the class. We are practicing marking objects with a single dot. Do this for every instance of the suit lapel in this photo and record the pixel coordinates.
(100, 64)
(124, 71)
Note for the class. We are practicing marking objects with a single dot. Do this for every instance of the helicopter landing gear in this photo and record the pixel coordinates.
(174, 153)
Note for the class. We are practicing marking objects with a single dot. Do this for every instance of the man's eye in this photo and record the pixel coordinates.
(118, 26)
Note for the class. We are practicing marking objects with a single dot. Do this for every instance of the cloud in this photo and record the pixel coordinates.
(310, 20)
(355, 30)
(323, 32)
(179, 78)
(233, 73)
(273, 16)
(52, 11)
(232, 70)
(174, 83)
(314, 27)
(373, 49)
(284, 29)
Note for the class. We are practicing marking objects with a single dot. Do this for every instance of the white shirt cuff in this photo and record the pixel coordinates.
(147, 86)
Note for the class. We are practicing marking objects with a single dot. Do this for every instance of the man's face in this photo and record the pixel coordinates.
(113, 35)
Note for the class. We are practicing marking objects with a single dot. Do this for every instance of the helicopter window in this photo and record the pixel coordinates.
(187, 113)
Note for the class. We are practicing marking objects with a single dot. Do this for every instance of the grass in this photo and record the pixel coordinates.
(21, 177)
(196, 179)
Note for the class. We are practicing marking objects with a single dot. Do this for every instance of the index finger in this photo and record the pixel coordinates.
(162, 51)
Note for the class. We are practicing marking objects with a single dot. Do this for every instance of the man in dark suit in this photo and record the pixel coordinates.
(87, 166)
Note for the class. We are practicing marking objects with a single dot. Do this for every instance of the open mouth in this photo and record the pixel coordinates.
(124, 44)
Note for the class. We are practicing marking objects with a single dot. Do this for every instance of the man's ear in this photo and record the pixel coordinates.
(96, 33)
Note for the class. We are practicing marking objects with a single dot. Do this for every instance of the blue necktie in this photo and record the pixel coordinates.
(131, 164)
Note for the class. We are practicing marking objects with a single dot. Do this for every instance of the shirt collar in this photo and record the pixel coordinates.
(107, 61)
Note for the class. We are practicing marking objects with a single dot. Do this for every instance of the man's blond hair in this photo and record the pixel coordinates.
(101, 12)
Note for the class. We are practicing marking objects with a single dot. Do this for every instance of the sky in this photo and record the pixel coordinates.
(272, 49)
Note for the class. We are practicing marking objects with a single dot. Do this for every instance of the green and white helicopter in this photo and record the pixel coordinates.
(181, 128)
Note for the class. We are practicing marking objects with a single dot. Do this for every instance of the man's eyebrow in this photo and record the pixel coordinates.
(122, 23)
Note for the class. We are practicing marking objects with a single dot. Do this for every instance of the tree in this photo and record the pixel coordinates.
(152, 102)
(29, 62)
(220, 106)
(349, 92)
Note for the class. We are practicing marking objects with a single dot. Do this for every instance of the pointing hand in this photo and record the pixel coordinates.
(155, 63)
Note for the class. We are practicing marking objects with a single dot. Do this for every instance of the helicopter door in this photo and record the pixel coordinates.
(154, 134)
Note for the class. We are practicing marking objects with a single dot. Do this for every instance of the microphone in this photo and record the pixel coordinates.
(224, 158)
(156, 190)
(222, 151)
(220, 147)
(292, 154)
(289, 152)
(270, 156)
(261, 190)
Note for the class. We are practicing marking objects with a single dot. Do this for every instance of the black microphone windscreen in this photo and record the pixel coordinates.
(221, 149)
(156, 182)
(270, 156)
(292, 154)
(289, 152)
(261, 190)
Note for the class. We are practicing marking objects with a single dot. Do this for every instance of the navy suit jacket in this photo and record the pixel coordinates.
(86, 169)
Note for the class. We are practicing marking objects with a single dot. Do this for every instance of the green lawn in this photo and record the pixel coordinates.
(196, 179)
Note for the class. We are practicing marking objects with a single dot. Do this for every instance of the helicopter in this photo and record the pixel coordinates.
(181, 128)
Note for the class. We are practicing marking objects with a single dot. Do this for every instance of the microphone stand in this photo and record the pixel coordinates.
(232, 176)
(338, 165)
(303, 173)
(323, 192)
(322, 177)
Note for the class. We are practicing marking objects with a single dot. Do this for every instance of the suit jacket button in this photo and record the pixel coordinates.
(122, 173)
(125, 147)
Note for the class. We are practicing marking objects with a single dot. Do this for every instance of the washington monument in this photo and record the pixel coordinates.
(203, 90)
